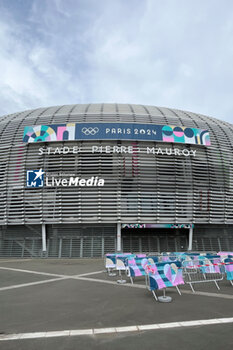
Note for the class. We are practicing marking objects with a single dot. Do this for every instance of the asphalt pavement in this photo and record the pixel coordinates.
(41, 296)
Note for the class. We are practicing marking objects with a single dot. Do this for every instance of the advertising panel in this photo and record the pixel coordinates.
(116, 131)
(186, 226)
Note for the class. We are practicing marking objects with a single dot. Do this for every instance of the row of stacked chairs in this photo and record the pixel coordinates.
(168, 269)
(208, 262)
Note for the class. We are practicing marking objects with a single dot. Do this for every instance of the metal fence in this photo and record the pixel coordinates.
(203, 270)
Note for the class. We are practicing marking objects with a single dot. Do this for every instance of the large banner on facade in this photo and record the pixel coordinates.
(157, 226)
(116, 131)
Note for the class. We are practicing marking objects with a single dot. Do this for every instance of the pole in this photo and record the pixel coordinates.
(190, 247)
(118, 237)
(44, 248)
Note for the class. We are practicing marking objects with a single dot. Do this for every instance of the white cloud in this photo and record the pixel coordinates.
(145, 52)
(177, 58)
(29, 74)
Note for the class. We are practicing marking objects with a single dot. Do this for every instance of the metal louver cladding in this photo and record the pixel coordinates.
(185, 183)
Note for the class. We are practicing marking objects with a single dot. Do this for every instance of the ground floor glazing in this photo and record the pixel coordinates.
(94, 241)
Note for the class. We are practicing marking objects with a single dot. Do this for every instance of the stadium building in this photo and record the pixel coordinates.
(82, 180)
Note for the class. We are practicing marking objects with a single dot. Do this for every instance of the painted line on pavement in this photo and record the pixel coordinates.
(58, 278)
(89, 273)
(110, 282)
(22, 285)
(208, 294)
(33, 283)
(113, 330)
(50, 274)
(83, 278)
(13, 260)
(33, 272)
(141, 286)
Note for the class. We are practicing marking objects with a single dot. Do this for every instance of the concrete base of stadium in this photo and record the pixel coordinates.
(95, 240)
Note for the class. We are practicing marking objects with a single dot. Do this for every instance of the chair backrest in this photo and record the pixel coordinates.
(229, 268)
(140, 255)
(168, 258)
(120, 264)
(137, 266)
(153, 259)
(210, 263)
(163, 275)
(110, 262)
(121, 261)
(225, 255)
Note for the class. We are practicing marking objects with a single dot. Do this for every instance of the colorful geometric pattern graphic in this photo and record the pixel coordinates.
(47, 133)
(185, 135)
(163, 275)
(116, 131)
(229, 268)
(186, 226)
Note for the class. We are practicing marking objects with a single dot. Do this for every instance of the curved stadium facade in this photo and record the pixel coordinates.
(82, 180)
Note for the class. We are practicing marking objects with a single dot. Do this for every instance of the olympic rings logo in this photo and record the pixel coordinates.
(90, 131)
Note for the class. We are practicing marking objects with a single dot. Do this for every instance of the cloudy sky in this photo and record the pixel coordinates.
(171, 53)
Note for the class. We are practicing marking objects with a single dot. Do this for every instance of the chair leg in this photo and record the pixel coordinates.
(192, 287)
(217, 285)
(155, 296)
